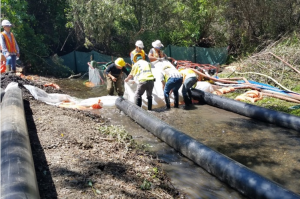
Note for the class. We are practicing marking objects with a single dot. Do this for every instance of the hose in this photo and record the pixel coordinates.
(267, 77)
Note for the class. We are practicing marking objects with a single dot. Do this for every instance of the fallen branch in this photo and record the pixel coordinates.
(281, 97)
(285, 62)
(284, 95)
(75, 76)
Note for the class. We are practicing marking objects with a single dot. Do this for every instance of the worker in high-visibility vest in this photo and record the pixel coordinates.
(171, 79)
(10, 48)
(145, 77)
(190, 79)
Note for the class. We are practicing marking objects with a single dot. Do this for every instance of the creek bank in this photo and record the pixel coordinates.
(76, 156)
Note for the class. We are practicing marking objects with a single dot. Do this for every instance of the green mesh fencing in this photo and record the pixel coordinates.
(69, 60)
(198, 54)
(77, 61)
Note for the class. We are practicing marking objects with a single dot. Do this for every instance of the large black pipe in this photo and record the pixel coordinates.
(18, 178)
(249, 110)
(2, 94)
(227, 170)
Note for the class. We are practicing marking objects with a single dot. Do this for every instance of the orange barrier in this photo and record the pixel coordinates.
(52, 85)
(3, 68)
(97, 105)
(89, 84)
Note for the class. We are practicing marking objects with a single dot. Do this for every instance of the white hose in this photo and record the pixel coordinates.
(267, 77)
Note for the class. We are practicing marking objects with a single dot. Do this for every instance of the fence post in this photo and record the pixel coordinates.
(75, 60)
(195, 54)
(170, 50)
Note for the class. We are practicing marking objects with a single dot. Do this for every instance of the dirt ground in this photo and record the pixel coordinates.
(74, 159)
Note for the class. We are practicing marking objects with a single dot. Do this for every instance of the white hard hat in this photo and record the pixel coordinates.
(5, 23)
(139, 44)
(157, 44)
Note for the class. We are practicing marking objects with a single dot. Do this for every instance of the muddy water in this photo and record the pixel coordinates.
(269, 150)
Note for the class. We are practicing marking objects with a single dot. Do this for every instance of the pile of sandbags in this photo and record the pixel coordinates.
(251, 96)
(224, 90)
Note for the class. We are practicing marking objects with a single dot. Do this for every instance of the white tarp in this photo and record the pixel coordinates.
(158, 93)
(58, 99)
(109, 101)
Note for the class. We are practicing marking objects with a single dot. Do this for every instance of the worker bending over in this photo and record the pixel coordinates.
(190, 79)
(142, 69)
(171, 80)
(114, 73)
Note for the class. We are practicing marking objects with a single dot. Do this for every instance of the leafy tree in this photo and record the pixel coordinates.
(37, 40)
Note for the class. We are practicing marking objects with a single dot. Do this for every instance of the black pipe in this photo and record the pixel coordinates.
(249, 110)
(227, 170)
(2, 93)
(18, 178)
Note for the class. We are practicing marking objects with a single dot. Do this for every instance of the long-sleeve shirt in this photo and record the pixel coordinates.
(3, 44)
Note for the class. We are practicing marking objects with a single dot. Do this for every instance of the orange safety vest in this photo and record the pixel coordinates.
(10, 44)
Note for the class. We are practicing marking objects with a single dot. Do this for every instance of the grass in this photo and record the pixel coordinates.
(269, 102)
(279, 67)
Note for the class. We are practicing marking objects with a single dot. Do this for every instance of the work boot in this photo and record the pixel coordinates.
(186, 100)
(167, 99)
(190, 101)
(176, 101)
(138, 102)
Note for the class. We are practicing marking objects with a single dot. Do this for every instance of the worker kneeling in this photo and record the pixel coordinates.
(142, 69)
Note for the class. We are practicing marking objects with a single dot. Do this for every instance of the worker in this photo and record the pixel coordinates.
(10, 48)
(114, 74)
(142, 69)
(139, 46)
(171, 80)
(190, 79)
(156, 52)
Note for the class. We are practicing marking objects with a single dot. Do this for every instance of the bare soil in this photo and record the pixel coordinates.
(73, 159)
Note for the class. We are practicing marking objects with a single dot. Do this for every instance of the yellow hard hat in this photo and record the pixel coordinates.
(136, 56)
(120, 62)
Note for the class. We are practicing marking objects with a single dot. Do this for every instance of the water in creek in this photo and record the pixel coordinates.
(271, 151)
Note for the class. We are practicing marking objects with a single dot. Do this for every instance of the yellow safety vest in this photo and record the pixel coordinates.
(187, 73)
(142, 69)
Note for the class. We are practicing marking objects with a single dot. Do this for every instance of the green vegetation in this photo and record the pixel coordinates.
(269, 102)
(112, 27)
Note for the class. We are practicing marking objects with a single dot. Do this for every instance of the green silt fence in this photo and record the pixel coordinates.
(77, 61)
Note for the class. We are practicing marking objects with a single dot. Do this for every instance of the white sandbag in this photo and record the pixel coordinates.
(204, 86)
(157, 93)
(105, 101)
(108, 101)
